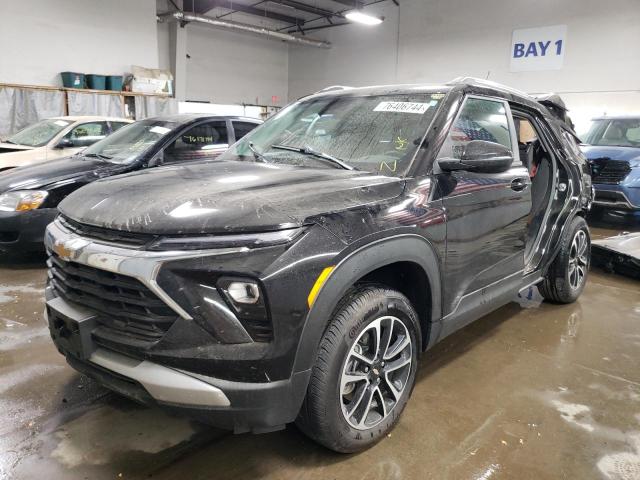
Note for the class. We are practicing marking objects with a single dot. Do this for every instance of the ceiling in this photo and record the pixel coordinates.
(291, 16)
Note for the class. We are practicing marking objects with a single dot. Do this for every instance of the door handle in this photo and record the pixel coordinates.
(519, 184)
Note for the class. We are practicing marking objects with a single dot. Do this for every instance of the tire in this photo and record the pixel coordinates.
(567, 274)
(334, 411)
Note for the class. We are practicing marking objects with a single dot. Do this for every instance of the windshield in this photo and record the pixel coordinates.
(614, 132)
(128, 143)
(39, 134)
(374, 133)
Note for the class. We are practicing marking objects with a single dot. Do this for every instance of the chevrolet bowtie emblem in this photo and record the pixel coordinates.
(69, 249)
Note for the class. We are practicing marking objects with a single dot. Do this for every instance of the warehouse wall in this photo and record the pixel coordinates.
(442, 39)
(41, 38)
(229, 67)
(360, 55)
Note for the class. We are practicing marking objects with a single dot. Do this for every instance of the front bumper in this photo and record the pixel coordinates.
(242, 386)
(617, 197)
(24, 231)
(237, 406)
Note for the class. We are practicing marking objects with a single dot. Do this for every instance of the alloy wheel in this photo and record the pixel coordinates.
(578, 259)
(375, 372)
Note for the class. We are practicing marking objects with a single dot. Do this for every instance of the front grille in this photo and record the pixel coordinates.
(106, 234)
(125, 307)
(610, 172)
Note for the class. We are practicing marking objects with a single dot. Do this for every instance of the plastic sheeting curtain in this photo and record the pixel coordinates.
(148, 106)
(20, 107)
(95, 104)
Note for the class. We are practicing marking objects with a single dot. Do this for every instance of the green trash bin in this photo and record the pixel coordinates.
(97, 82)
(114, 82)
(72, 79)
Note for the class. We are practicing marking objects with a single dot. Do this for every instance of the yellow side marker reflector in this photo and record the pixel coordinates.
(318, 285)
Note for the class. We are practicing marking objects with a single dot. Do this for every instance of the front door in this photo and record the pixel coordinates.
(486, 217)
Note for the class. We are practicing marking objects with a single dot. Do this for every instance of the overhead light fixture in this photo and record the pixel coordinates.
(360, 17)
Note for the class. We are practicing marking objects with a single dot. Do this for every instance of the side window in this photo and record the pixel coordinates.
(242, 128)
(479, 119)
(87, 134)
(201, 142)
(528, 145)
(526, 132)
(117, 125)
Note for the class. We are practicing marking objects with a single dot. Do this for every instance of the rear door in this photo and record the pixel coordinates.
(486, 217)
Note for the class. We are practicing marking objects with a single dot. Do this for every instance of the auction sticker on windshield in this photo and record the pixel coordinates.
(160, 130)
(403, 107)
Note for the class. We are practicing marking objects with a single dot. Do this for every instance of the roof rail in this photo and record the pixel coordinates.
(333, 88)
(486, 83)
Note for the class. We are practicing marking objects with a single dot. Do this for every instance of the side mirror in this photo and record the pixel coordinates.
(480, 156)
(65, 143)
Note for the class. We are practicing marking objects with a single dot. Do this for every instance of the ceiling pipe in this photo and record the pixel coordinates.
(243, 27)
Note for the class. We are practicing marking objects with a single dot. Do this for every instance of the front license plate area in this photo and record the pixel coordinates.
(71, 328)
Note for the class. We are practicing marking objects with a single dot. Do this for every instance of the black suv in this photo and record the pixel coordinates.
(300, 277)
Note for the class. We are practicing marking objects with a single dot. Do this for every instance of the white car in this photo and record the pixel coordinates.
(55, 138)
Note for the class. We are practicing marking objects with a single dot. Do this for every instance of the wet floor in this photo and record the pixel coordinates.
(536, 391)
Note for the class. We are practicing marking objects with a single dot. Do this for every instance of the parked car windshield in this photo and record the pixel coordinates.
(623, 132)
(378, 133)
(39, 134)
(129, 142)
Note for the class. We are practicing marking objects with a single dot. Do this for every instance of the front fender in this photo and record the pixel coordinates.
(401, 248)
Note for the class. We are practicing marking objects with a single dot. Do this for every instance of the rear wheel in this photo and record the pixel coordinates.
(567, 275)
(364, 372)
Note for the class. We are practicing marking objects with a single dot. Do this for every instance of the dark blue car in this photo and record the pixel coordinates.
(613, 149)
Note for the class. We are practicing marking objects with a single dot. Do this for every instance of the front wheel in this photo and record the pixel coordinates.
(567, 275)
(364, 372)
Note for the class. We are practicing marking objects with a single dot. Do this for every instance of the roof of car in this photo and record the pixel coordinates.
(471, 84)
(80, 118)
(190, 117)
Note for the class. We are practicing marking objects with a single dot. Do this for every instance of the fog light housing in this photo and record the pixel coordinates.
(247, 293)
(247, 300)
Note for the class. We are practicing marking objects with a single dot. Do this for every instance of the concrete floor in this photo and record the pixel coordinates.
(540, 392)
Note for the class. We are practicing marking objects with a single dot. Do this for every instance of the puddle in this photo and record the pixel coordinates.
(488, 473)
(5, 290)
(622, 465)
(530, 298)
(100, 435)
(13, 378)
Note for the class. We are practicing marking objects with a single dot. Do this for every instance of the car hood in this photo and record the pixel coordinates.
(49, 174)
(612, 153)
(221, 197)
(22, 157)
(12, 147)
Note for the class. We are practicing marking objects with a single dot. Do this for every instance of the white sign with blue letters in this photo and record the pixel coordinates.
(539, 48)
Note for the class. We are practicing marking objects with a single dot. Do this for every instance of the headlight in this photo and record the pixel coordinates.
(22, 200)
(248, 240)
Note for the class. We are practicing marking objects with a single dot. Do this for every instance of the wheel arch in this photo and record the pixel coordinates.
(406, 257)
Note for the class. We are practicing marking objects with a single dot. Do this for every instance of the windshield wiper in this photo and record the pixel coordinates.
(314, 153)
(258, 156)
(97, 155)
(9, 141)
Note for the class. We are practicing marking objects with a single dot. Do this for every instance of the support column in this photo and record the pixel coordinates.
(178, 52)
